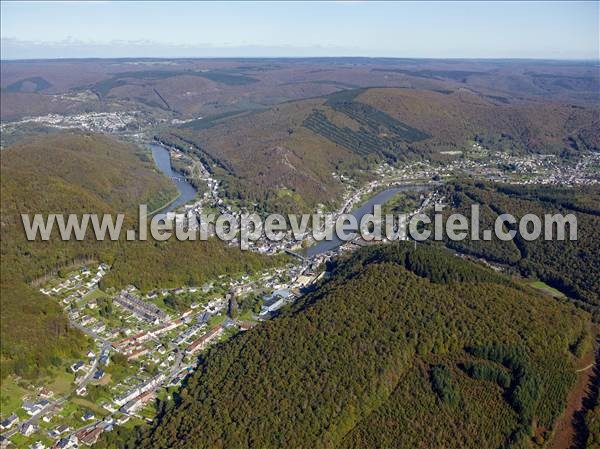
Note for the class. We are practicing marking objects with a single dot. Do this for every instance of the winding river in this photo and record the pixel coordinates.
(187, 193)
(366, 208)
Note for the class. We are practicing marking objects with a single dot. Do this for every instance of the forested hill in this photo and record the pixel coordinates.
(84, 173)
(401, 348)
(61, 173)
(572, 267)
(71, 173)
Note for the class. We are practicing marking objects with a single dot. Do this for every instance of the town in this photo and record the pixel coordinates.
(142, 347)
(421, 176)
(108, 122)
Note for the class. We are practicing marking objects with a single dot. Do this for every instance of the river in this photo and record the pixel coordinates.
(187, 192)
(366, 208)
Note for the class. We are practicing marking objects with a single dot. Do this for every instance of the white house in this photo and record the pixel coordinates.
(28, 429)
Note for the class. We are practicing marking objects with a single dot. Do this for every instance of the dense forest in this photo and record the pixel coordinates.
(401, 347)
(572, 267)
(76, 173)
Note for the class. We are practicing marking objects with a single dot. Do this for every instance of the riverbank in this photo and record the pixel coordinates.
(186, 191)
(379, 198)
(164, 206)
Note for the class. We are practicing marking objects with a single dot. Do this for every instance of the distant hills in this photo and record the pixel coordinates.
(190, 88)
(273, 130)
(283, 157)
(403, 347)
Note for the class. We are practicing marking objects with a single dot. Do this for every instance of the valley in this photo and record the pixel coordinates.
(199, 344)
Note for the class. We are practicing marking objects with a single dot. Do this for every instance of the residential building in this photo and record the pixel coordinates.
(203, 341)
(9, 422)
(28, 428)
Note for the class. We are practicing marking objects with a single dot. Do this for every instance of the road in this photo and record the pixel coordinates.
(106, 345)
(90, 333)
(585, 368)
(172, 373)
(49, 408)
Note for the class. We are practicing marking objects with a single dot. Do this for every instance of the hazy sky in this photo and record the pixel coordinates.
(404, 29)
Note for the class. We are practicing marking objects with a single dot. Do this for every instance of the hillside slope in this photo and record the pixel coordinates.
(284, 156)
(77, 173)
(572, 267)
(61, 173)
(398, 336)
(501, 123)
(268, 157)
(71, 173)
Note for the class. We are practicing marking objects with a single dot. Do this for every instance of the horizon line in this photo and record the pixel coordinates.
(455, 58)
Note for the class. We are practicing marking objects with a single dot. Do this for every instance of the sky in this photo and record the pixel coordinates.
(67, 29)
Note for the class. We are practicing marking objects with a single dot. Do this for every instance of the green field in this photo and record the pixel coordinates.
(90, 406)
(95, 294)
(11, 395)
(539, 285)
(58, 381)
